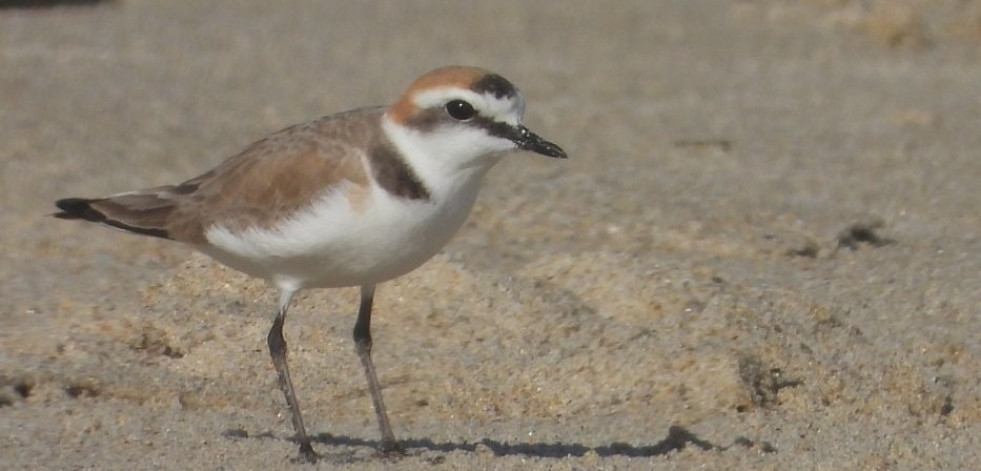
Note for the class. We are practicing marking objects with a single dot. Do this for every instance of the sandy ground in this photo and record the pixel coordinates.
(763, 253)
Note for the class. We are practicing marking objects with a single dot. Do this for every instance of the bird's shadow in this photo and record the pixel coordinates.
(678, 438)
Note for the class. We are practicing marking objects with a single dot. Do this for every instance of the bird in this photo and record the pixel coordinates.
(352, 199)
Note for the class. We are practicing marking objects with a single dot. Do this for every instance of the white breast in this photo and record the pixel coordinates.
(335, 242)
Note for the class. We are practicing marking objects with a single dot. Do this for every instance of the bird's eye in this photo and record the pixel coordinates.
(460, 110)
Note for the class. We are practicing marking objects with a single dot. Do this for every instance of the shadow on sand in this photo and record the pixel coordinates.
(678, 438)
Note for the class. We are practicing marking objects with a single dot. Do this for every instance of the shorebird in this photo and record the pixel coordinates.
(348, 200)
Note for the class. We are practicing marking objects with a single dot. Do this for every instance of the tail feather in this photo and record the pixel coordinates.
(140, 213)
(78, 208)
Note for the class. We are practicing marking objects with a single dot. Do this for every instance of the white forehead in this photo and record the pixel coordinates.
(506, 109)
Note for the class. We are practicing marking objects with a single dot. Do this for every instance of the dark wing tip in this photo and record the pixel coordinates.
(78, 208)
(81, 208)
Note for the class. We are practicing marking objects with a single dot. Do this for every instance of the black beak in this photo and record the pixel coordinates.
(527, 140)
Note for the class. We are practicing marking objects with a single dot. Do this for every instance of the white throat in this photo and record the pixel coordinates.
(451, 163)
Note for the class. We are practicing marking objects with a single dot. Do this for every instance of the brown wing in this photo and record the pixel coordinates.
(266, 182)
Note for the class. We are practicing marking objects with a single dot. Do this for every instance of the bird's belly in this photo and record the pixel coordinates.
(334, 244)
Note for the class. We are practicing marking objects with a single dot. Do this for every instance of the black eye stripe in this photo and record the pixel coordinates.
(494, 128)
(432, 118)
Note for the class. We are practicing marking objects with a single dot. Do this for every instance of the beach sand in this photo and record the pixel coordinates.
(763, 252)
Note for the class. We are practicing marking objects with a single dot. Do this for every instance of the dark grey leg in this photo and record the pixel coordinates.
(277, 350)
(362, 342)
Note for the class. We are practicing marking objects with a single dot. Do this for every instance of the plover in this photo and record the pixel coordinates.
(348, 200)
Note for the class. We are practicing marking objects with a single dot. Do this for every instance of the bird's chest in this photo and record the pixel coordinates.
(407, 232)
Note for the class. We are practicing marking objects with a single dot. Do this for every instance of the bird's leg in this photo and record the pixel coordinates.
(362, 342)
(277, 350)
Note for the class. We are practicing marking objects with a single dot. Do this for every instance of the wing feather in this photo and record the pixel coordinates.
(266, 182)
